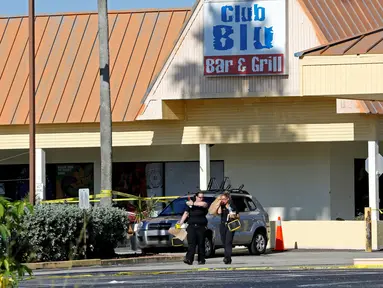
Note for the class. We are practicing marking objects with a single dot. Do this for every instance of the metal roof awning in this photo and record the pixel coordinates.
(351, 68)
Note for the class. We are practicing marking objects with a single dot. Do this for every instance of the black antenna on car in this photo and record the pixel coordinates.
(212, 179)
(228, 184)
(222, 186)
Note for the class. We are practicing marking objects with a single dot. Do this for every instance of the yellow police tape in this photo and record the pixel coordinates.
(110, 193)
(380, 210)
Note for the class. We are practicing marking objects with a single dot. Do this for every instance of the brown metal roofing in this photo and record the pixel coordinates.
(347, 27)
(67, 63)
(339, 19)
(367, 43)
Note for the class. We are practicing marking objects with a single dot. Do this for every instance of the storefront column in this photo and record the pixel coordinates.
(40, 175)
(373, 178)
(204, 166)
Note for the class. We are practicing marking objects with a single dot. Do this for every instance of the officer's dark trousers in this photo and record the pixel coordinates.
(196, 236)
(227, 240)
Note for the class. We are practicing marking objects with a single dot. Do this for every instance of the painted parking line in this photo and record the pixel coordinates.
(207, 269)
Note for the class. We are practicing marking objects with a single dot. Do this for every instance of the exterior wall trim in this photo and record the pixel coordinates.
(214, 121)
(341, 76)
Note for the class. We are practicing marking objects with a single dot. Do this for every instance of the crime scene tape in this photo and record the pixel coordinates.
(110, 193)
(380, 210)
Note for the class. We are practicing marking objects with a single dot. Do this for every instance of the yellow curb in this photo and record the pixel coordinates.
(341, 267)
(148, 273)
(137, 260)
(254, 268)
(64, 277)
(369, 266)
(123, 274)
(63, 264)
(70, 276)
(99, 262)
(203, 269)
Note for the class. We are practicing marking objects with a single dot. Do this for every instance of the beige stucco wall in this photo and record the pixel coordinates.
(379, 235)
(286, 178)
(322, 235)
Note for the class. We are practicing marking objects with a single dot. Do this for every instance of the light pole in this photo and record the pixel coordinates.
(32, 126)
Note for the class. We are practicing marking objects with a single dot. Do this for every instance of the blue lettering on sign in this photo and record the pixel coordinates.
(247, 12)
(222, 34)
(224, 16)
(222, 40)
(242, 14)
(269, 36)
(237, 13)
(243, 37)
(259, 13)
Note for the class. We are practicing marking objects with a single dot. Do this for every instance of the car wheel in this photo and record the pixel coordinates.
(258, 244)
(209, 248)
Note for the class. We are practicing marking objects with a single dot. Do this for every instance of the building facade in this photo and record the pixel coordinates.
(182, 112)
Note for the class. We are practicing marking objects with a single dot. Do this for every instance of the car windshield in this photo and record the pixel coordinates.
(178, 206)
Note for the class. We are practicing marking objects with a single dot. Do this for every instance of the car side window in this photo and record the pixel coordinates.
(251, 204)
(239, 203)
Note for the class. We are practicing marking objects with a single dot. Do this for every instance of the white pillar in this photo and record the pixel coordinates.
(204, 166)
(40, 175)
(373, 178)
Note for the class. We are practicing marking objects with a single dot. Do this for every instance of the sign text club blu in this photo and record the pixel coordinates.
(245, 37)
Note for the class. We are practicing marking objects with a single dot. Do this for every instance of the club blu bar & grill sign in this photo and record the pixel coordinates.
(244, 37)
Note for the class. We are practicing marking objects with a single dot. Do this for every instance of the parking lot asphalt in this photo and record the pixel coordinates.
(264, 279)
(241, 259)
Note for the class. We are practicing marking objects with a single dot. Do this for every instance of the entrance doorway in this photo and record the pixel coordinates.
(361, 188)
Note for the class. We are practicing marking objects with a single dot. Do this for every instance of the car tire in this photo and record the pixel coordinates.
(209, 248)
(258, 244)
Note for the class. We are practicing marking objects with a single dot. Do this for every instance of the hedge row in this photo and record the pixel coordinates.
(55, 232)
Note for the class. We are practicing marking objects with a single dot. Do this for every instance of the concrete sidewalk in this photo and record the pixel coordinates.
(298, 259)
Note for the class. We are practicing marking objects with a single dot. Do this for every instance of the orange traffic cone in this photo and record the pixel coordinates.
(279, 244)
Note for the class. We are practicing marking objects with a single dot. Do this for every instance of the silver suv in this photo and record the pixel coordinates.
(254, 233)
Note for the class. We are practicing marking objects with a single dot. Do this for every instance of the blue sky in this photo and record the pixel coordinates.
(20, 7)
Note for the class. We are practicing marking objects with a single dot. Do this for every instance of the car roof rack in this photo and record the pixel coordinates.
(224, 186)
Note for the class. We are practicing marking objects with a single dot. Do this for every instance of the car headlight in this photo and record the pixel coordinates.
(140, 225)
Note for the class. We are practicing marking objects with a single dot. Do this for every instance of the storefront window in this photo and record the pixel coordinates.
(145, 179)
(162, 178)
(14, 181)
(72, 177)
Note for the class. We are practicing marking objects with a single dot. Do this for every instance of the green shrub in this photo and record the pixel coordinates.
(53, 231)
(12, 248)
(56, 231)
(107, 227)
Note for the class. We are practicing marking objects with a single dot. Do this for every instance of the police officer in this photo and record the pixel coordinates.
(228, 212)
(196, 210)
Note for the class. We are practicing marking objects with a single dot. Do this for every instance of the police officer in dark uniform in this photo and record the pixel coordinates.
(228, 212)
(196, 210)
